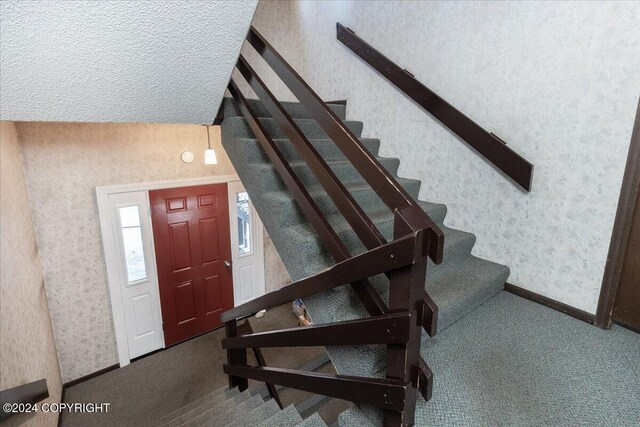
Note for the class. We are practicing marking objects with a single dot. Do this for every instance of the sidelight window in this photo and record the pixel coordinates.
(132, 242)
(244, 223)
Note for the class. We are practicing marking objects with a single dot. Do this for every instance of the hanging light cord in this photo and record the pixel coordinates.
(208, 138)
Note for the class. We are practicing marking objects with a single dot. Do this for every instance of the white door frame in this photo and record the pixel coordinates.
(257, 237)
(110, 245)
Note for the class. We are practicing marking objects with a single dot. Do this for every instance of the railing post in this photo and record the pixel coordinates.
(236, 357)
(407, 295)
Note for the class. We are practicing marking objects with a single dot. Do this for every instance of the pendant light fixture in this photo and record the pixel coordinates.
(209, 154)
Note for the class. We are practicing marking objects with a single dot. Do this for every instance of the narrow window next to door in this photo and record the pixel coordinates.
(132, 241)
(244, 223)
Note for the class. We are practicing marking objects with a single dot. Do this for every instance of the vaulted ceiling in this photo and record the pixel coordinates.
(118, 61)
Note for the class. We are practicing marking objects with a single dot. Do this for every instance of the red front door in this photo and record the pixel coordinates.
(192, 242)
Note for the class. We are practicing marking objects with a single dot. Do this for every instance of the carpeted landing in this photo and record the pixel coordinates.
(512, 362)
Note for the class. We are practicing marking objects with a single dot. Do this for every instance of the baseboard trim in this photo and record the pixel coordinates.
(551, 303)
(89, 376)
(631, 328)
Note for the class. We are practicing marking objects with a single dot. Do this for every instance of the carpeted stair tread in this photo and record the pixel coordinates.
(309, 127)
(217, 404)
(314, 420)
(325, 147)
(457, 290)
(266, 175)
(285, 418)
(207, 398)
(256, 415)
(295, 109)
(222, 416)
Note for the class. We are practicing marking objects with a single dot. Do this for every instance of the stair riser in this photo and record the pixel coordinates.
(295, 110)
(326, 148)
(309, 128)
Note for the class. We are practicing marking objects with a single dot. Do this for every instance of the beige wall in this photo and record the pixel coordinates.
(27, 351)
(557, 80)
(64, 162)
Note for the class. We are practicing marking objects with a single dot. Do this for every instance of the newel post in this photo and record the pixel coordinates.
(236, 357)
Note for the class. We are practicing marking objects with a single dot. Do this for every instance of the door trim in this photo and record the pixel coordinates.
(110, 251)
(629, 195)
(258, 233)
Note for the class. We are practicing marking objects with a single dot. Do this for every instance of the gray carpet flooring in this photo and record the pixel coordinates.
(151, 387)
(512, 362)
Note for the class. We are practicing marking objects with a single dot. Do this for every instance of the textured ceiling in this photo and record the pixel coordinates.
(118, 61)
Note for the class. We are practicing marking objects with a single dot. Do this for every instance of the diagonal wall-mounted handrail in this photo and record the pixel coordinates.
(24, 394)
(485, 143)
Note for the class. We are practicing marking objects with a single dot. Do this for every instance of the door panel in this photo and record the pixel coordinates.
(192, 241)
(246, 278)
(143, 314)
(213, 294)
(179, 245)
(209, 239)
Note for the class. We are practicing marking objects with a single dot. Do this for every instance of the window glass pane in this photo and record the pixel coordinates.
(244, 223)
(132, 241)
(129, 216)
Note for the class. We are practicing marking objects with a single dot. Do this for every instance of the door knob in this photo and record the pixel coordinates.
(227, 264)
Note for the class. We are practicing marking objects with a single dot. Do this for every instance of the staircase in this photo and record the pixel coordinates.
(457, 285)
(339, 214)
(235, 408)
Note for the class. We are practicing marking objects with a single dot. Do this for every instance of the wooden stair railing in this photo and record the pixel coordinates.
(404, 260)
(14, 400)
(494, 149)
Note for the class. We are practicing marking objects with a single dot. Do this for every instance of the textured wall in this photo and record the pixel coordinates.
(64, 163)
(558, 81)
(118, 61)
(28, 351)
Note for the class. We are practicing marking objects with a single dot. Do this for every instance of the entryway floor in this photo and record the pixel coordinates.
(154, 386)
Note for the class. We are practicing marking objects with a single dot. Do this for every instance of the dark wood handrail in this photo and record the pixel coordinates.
(390, 256)
(352, 212)
(404, 260)
(29, 393)
(388, 329)
(485, 143)
(386, 394)
(365, 291)
(380, 180)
